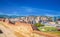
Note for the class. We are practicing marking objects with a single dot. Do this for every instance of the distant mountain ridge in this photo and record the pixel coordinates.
(6, 16)
(14, 16)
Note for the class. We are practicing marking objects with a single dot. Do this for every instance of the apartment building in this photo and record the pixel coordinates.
(44, 20)
(38, 19)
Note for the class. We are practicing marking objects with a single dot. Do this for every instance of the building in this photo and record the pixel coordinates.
(44, 19)
(58, 21)
(31, 19)
(50, 24)
(37, 19)
(54, 19)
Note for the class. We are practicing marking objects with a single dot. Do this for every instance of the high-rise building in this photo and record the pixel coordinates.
(54, 19)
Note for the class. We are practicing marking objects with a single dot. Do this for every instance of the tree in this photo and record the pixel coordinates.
(39, 24)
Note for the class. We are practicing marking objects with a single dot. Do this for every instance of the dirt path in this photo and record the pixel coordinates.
(6, 32)
(15, 29)
(45, 34)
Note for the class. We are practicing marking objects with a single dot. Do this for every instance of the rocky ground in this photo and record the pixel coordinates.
(18, 30)
(6, 32)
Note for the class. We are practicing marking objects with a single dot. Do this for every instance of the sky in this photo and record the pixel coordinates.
(30, 7)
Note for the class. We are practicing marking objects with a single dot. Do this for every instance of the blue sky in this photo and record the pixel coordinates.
(30, 7)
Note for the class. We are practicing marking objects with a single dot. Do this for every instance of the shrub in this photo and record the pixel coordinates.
(47, 29)
(39, 24)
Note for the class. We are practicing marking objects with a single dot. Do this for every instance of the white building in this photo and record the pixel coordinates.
(50, 24)
(37, 19)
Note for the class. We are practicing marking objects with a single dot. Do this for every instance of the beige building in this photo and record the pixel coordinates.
(37, 19)
(44, 18)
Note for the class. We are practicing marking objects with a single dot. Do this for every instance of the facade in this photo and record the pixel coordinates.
(37, 19)
(44, 20)
(50, 24)
(58, 21)
(54, 19)
(31, 19)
